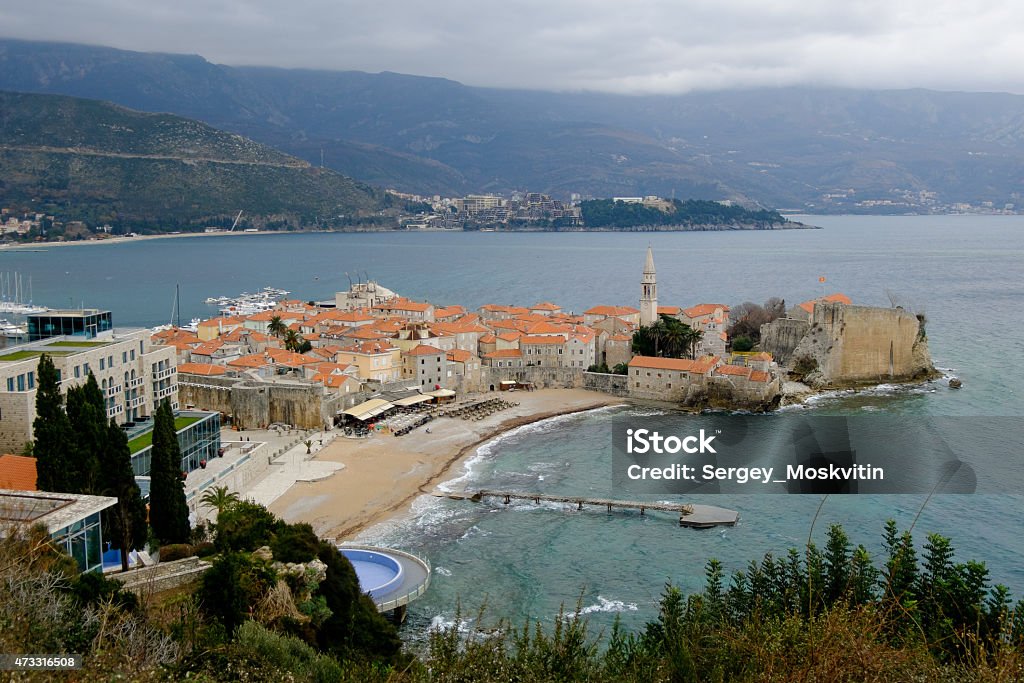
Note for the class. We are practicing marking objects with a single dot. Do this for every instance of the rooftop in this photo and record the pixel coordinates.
(54, 510)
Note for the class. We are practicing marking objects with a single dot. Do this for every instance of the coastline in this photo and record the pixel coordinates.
(383, 475)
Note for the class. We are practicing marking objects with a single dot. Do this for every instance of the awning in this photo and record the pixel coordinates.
(440, 393)
(508, 382)
(369, 409)
(413, 400)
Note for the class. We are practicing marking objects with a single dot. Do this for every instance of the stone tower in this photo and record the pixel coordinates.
(648, 292)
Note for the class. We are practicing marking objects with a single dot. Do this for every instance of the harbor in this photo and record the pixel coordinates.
(248, 303)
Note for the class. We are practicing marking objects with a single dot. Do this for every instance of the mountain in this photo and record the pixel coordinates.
(98, 162)
(812, 149)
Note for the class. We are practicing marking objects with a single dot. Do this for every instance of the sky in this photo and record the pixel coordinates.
(634, 46)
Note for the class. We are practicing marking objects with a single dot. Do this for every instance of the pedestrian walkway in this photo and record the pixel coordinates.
(293, 465)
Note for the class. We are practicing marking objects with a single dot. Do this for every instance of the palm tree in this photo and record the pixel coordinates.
(219, 498)
(691, 338)
(276, 326)
(292, 340)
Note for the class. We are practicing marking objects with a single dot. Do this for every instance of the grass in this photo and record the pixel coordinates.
(22, 355)
(73, 344)
(146, 440)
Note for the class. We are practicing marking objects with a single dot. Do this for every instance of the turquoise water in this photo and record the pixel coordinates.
(966, 273)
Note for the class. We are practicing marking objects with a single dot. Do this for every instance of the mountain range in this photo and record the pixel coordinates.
(806, 149)
(101, 163)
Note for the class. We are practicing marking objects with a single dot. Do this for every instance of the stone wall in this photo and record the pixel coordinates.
(781, 336)
(163, 576)
(616, 385)
(255, 405)
(542, 378)
(17, 410)
(863, 344)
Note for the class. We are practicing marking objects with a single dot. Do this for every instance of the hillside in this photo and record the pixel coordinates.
(811, 149)
(88, 160)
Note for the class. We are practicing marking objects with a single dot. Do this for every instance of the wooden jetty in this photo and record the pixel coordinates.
(690, 515)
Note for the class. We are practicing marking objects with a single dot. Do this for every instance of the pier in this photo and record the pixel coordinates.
(690, 515)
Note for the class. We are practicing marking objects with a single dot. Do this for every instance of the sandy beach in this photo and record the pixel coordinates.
(383, 474)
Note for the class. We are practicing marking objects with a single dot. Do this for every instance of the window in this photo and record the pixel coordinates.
(85, 368)
(110, 361)
(21, 382)
(132, 356)
(124, 356)
(78, 371)
(102, 363)
(32, 380)
(10, 384)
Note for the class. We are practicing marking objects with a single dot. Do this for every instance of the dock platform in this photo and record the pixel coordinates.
(691, 515)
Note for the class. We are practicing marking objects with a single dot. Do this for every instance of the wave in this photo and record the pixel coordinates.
(488, 449)
(605, 605)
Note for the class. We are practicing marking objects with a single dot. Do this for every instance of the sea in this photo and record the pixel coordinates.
(525, 562)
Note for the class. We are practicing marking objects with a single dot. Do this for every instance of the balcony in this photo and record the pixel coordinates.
(132, 383)
(161, 394)
(115, 410)
(113, 390)
(136, 402)
(164, 374)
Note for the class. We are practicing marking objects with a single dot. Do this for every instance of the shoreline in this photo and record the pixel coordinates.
(465, 453)
(383, 475)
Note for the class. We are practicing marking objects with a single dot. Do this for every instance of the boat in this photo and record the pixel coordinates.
(12, 292)
(9, 329)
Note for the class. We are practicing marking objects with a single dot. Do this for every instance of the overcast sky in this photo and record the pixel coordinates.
(625, 46)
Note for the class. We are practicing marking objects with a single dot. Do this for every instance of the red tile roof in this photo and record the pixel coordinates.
(18, 473)
(459, 355)
(424, 350)
(504, 353)
(201, 369)
(548, 339)
(612, 311)
(701, 310)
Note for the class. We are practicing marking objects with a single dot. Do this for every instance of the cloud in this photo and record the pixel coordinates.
(643, 46)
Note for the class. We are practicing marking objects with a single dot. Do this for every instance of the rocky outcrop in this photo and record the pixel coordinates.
(781, 336)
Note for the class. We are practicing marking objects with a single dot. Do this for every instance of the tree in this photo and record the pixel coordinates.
(168, 512)
(742, 343)
(668, 337)
(219, 498)
(292, 340)
(748, 317)
(276, 326)
(87, 416)
(125, 523)
(53, 436)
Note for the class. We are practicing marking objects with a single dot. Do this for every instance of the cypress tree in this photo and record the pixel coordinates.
(168, 512)
(52, 431)
(87, 415)
(126, 522)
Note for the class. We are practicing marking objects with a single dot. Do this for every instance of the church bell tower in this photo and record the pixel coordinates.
(648, 292)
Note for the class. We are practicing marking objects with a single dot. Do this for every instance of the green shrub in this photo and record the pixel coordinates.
(232, 587)
(204, 549)
(742, 343)
(295, 543)
(92, 588)
(245, 526)
(176, 551)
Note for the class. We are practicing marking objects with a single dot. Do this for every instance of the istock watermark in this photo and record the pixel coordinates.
(780, 453)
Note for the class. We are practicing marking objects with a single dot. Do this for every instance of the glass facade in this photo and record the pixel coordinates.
(83, 540)
(199, 440)
(72, 323)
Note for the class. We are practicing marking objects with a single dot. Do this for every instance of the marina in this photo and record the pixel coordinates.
(248, 303)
